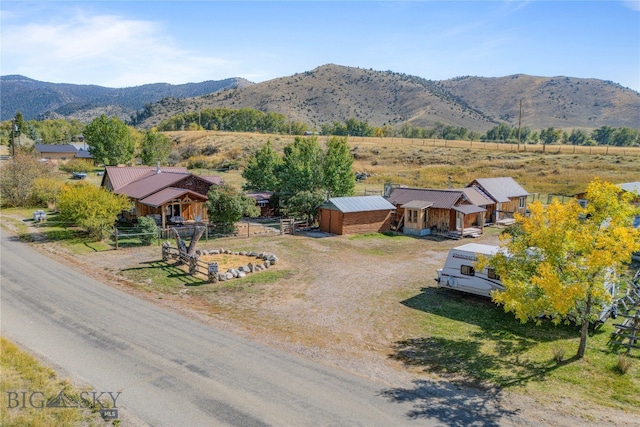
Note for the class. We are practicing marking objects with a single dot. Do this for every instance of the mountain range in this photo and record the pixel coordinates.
(335, 93)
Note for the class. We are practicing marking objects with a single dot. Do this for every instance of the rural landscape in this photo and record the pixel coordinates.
(363, 300)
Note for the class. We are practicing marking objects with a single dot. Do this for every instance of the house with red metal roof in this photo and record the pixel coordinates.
(171, 195)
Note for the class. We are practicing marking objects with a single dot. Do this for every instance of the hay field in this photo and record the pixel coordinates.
(559, 169)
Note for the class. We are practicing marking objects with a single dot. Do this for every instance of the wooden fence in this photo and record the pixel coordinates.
(210, 270)
(627, 333)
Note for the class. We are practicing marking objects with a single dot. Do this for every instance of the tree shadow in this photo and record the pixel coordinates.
(492, 353)
(452, 405)
(170, 270)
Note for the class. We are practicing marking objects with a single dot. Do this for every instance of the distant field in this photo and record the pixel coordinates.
(559, 169)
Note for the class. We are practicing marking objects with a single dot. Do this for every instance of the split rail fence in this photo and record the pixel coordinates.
(627, 333)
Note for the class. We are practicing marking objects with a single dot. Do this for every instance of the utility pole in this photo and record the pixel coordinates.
(13, 138)
(519, 125)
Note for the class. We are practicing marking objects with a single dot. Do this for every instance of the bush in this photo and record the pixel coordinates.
(200, 162)
(147, 225)
(624, 364)
(77, 165)
(210, 149)
(90, 207)
(189, 151)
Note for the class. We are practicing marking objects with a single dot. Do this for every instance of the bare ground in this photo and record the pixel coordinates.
(340, 304)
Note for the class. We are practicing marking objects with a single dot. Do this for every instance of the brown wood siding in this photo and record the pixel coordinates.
(441, 219)
(366, 222)
(513, 205)
(195, 184)
(336, 222)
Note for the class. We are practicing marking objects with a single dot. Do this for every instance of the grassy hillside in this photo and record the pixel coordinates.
(336, 93)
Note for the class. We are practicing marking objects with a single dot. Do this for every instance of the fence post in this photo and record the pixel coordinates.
(116, 236)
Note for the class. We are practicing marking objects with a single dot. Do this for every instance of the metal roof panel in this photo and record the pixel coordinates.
(361, 204)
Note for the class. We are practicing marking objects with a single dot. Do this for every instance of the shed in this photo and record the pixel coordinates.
(355, 215)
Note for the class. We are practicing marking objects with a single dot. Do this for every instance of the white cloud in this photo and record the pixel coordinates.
(632, 4)
(108, 50)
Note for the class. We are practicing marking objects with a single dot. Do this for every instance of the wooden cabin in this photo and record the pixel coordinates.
(507, 195)
(169, 195)
(422, 211)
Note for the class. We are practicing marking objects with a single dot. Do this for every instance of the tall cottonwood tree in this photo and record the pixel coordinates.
(557, 264)
(337, 168)
(110, 140)
(261, 170)
(301, 168)
(155, 147)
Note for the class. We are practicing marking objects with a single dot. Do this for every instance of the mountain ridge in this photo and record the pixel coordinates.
(334, 93)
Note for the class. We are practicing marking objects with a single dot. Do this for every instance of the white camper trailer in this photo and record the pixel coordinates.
(459, 271)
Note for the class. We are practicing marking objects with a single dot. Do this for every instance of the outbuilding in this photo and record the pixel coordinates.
(356, 215)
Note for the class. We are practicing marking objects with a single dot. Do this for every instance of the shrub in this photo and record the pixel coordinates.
(210, 149)
(200, 162)
(77, 165)
(147, 225)
(188, 152)
(90, 207)
(558, 354)
(624, 364)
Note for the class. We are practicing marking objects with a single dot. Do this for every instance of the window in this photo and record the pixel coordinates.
(467, 270)
(491, 274)
(522, 200)
(413, 216)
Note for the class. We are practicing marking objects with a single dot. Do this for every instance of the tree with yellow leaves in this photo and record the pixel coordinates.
(558, 259)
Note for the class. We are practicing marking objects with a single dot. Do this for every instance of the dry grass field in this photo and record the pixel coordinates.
(559, 169)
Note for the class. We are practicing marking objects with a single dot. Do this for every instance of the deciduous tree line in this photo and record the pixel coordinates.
(249, 120)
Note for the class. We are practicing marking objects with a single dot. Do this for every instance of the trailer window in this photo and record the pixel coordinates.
(491, 274)
(467, 270)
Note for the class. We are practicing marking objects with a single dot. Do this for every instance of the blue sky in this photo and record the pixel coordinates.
(128, 43)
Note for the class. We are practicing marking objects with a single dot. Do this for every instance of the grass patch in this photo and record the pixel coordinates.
(23, 373)
(164, 276)
(471, 340)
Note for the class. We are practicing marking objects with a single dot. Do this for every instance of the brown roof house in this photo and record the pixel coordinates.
(507, 195)
(421, 211)
(171, 195)
(61, 152)
(355, 215)
(263, 201)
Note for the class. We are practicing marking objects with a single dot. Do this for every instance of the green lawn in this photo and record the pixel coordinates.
(471, 340)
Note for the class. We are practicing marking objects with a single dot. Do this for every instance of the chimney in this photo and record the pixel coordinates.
(158, 168)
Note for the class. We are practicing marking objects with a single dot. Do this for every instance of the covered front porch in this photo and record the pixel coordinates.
(174, 206)
(469, 221)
